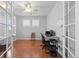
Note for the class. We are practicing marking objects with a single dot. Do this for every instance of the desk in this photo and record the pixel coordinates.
(50, 39)
(47, 38)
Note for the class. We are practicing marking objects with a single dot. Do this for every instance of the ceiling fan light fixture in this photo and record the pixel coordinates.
(28, 7)
(28, 10)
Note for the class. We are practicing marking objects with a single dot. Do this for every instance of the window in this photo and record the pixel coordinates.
(35, 22)
(26, 23)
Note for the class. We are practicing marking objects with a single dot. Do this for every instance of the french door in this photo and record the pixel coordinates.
(69, 29)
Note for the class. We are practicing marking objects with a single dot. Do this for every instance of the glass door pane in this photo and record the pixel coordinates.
(72, 46)
(72, 16)
(71, 4)
(72, 31)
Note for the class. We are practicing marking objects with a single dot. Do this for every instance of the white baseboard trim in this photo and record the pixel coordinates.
(27, 39)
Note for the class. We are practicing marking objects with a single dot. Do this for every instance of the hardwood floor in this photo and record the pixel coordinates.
(29, 49)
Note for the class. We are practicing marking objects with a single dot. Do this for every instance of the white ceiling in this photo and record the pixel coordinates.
(43, 8)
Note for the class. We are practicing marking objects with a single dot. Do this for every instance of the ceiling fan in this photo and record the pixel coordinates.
(28, 7)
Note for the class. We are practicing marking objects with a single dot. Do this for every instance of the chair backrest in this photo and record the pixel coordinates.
(43, 38)
(53, 33)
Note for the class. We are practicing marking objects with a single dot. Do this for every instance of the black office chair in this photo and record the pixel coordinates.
(53, 48)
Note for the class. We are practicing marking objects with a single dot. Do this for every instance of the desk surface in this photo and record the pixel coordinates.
(52, 37)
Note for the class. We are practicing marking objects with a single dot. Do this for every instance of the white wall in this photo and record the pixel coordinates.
(77, 29)
(53, 18)
(25, 32)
